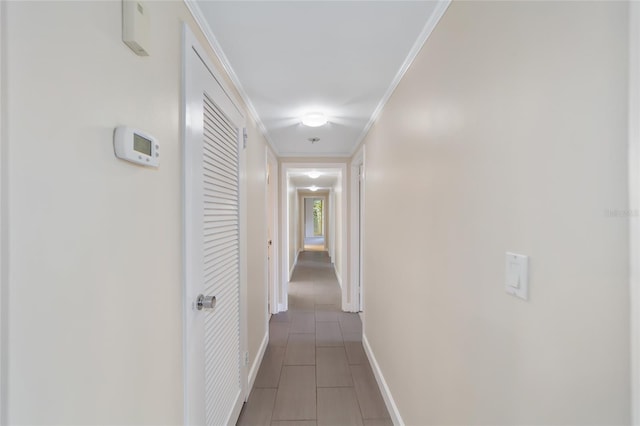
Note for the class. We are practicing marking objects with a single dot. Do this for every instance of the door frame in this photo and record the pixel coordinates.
(191, 45)
(356, 228)
(272, 203)
(4, 226)
(285, 166)
(634, 205)
(306, 196)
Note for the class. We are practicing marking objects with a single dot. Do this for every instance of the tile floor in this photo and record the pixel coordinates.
(315, 371)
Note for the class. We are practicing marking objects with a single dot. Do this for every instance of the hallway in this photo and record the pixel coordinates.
(315, 371)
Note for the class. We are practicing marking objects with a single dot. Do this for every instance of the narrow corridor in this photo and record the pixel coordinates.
(315, 371)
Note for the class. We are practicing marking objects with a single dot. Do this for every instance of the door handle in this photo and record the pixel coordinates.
(205, 302)
(270, 242)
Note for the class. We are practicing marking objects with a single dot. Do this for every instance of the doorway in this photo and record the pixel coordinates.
(215, 379)
(357, 186)
(314, 224)
(294, 186)
(272, 231)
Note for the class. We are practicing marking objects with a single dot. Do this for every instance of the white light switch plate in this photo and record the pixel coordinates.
(516, 275)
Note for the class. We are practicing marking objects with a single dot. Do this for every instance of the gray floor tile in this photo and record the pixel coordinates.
(301, 349)
(355, 352)
(278, 333)
(332, 368)
(288, 376)
(269, 372)
(327, 298)
(375, 422)
(350, 322)
(303, 322)
(281, 317)
(257, 411)
(327, 313)
(352, 337)
(369, 397)
(297, 302)
(296, 397)
(338, 407)
(328, 334)
(329, 308)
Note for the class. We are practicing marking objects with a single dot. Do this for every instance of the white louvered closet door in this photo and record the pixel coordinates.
(221, 263)
(213, 370)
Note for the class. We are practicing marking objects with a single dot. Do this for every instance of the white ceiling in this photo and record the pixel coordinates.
(342, 58)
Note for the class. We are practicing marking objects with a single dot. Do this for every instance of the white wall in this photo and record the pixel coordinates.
(634, 203)
(95, 281)
(510, 133)
(257, 250)
(4, 226)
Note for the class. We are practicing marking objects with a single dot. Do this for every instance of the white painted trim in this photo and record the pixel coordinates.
(244, 269)
(233, 108)
(428, 28)
(324, 196)
(272, 160)
(198, 16)
(382, 384)
(4, 224)
(344, 155)
(295, 262)
(339, 278)
(255, 366)
(356, 239)
(634, 205)
(284, 191)
(332, 226)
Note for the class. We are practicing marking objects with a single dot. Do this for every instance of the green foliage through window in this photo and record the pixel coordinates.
(317, 218)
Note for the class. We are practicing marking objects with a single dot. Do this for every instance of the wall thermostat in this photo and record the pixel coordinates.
(136, 146)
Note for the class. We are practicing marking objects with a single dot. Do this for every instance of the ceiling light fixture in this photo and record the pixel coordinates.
(314, 119)
(314, 188)
(314, 175)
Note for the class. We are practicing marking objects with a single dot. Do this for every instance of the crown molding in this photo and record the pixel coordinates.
(202, 23)
(428, 28)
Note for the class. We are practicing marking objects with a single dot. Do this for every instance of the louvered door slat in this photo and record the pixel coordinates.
(218, 143)
(218, 137)
(222, 123)
(221, 261)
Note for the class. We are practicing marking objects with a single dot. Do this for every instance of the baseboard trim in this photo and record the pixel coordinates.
(382, 384)
(253, 372)
(338, 277)
(295, 262)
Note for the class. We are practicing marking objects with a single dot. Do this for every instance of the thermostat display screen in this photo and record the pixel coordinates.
(136, 146)
(141, 144)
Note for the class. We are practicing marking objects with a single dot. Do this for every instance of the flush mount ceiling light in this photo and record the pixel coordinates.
(314, 188)
(314, 175)
(314, 119)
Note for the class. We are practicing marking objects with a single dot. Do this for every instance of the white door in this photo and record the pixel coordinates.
(214, 367)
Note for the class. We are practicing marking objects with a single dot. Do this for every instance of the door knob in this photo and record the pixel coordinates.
(270, 242)
(205, 302)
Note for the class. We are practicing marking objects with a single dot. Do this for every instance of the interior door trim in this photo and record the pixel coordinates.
(192, 46)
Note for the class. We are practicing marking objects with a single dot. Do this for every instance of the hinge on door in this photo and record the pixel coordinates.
(244, 138)
(246, 358)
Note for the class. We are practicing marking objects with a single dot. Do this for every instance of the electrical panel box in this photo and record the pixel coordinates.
(136, 24)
